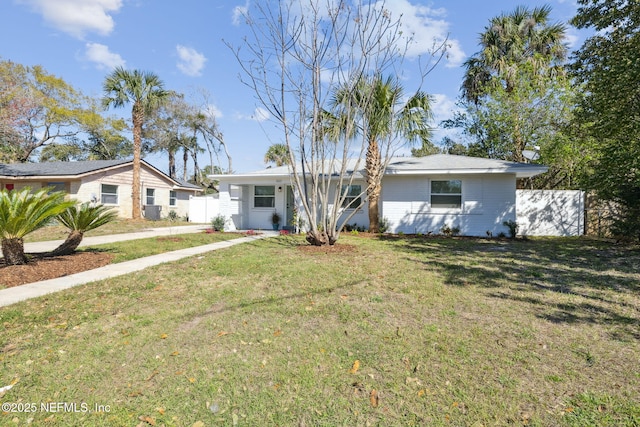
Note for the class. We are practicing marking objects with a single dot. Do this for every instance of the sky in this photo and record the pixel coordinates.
(185, 43)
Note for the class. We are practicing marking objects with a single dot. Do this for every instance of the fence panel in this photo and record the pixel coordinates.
(550, 212)
(203, 209)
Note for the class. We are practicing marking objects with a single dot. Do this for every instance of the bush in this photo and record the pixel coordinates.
(450, 231)
(513, 228)
(218, 223)
(383, 225)
(172, 216)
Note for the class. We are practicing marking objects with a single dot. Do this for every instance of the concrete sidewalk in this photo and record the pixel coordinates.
(49, 245)
(32, 290)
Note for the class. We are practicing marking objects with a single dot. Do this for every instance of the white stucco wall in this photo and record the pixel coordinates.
(487, 201)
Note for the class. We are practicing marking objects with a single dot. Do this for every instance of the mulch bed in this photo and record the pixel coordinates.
(43, 267)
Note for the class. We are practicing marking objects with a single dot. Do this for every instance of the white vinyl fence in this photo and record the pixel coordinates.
(550, 212)
(203, 209)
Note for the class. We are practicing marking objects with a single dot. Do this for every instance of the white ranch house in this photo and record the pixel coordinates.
(419, 195)
(104, 181)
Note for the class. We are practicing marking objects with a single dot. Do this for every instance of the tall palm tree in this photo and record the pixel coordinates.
(23, 212)
(145, 91)
(523, 38)
(380, 113)
(278, 154)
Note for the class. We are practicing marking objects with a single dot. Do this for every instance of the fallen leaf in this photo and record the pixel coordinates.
(192, 380)
(147, 420)
(373, 398)
(153, 374)
(420, 393)
(175, 353)
(198, 424)
(355, 367)
(223, 333)
(135, 393)
(164, 336)
(277, 333)
(160, 411)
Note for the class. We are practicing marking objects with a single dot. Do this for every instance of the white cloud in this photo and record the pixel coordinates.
(239, 12)
(212, 110)
(191, 61)
(426, 29)
(102, 57)
(78, 17)
(260, 115)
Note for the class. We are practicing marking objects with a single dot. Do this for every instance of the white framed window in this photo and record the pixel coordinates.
(264, 196)
(109, 194)
(446, 194)
(173, 198)
(352, 198)
(151, 196)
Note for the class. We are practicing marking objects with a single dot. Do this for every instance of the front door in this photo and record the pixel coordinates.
(290, 207)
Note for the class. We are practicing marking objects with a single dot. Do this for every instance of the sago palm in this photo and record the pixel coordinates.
(145, 91)
(79, 219)
(23, 212)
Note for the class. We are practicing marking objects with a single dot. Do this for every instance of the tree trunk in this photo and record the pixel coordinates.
(138, 118)
(319, 238)
(13, 251)
(172, 164)
(373, 166)
(70, 245)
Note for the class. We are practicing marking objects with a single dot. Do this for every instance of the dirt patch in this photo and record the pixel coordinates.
(42, 267)
(332, 250)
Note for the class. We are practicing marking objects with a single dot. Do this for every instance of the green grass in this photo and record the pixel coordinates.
(138, 248)
(446, 331)
(56, 231)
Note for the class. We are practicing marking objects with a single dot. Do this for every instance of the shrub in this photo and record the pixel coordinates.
(383, 225)
(172, 216)
(449, 231)
(513, 228)
(218, 223)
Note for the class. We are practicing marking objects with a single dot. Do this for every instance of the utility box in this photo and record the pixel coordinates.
(152, 212)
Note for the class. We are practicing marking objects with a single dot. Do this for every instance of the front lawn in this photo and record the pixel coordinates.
(390, 332)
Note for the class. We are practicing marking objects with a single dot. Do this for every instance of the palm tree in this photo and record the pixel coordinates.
(79, 220)
(380, 114)
(23, 212)
(145, 91)
(511, 42)
(278, 154)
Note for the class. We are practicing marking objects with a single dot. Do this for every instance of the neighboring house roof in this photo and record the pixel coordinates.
(68, 170)
(436, 164)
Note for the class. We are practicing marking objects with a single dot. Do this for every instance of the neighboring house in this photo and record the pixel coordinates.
(419, 195)
(104, 181)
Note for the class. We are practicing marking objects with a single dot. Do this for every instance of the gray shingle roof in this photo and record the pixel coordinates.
(57, 168)
(71, 169)
(434, 164)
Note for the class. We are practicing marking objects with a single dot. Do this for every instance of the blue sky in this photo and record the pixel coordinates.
(182, 42)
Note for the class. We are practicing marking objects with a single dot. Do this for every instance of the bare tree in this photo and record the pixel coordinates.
(297, 52)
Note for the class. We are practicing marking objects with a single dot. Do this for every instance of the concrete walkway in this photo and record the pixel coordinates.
(32, 290)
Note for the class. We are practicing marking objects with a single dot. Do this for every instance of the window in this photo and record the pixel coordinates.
(173, 198)
(352, 196)
(151, 196)
(264, 196)
(56, 186)
(109, 194)
(446, 194)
